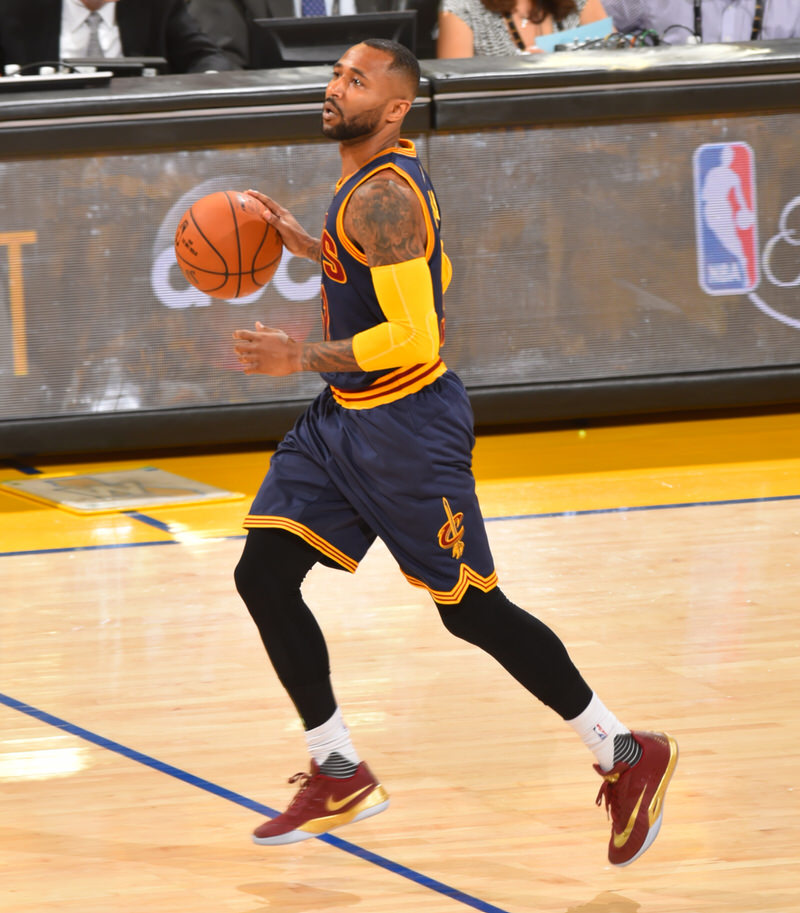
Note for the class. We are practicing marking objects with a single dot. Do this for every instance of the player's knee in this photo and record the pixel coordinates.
(468, 618)
(271, 569)
(246, 577)
(456, 620)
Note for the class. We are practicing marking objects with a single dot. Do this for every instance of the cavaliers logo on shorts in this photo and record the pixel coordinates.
(451, 534)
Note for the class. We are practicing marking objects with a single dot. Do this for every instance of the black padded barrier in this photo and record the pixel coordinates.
(592, 277)
(607, 85)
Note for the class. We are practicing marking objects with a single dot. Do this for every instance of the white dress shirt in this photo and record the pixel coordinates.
(723, 20)
(75, 30)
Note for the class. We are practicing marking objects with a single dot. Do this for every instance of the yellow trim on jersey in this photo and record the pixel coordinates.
(404, 147)
(256, 521)
(466, 578)
(437, 216)
(391, 387)
(410, 333)
(356, 251)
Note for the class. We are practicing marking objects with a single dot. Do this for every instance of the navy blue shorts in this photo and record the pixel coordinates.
(401, 471)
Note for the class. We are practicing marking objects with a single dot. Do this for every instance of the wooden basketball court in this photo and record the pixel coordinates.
(144, 734)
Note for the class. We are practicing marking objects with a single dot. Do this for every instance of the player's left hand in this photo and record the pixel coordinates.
(267, 351)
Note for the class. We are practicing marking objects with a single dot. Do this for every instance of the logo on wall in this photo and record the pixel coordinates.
(729, 258)
(725, 216)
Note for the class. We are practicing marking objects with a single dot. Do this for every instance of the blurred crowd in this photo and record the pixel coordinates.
(214, 35)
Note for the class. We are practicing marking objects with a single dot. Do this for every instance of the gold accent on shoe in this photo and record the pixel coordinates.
(377, 797)
(622, 838)
(655, 808)
(333, 805)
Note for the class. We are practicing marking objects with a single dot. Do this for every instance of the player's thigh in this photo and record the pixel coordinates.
(298, 495)
(420, 496)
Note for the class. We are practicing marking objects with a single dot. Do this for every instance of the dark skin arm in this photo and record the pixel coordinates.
(384, 217)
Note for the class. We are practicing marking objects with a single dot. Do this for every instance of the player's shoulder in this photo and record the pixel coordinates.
(384, 188)
(381, 217)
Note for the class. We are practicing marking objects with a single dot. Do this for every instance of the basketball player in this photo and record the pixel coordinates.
(385, 450)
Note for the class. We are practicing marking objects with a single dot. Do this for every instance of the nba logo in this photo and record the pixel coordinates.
(725, 218)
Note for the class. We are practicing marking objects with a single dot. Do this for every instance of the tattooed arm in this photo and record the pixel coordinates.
(384, 217)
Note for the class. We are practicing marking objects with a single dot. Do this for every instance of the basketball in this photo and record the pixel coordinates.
(224, 247)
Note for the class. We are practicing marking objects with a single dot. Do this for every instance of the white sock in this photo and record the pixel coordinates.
(597, 726)
(332, 736)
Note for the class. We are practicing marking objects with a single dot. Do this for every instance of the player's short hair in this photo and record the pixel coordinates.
(402, 60)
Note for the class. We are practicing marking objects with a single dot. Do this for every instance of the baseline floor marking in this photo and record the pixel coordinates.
(543, 516)
(160, 766)
(642, 507)
(87, 548)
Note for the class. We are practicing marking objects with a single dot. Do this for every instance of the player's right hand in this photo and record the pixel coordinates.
(295, 238)
(266, 350)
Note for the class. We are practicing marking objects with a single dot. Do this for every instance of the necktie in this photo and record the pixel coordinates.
(93, 49)
(313, 8)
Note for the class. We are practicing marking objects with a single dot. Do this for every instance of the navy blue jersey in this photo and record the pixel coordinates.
(349, 303)
(383, 453)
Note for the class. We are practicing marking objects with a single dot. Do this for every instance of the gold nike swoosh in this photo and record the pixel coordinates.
(333, 805)
(621, 839)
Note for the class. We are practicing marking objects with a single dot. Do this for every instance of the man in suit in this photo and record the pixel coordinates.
(226, 21)
(46, 31)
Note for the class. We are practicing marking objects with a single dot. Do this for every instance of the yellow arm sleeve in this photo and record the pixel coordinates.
(447, 271)
(410, 335)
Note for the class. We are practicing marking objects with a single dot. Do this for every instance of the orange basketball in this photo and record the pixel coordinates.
(224, 247)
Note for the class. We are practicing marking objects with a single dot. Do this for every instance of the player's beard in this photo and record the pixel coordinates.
(361, 125)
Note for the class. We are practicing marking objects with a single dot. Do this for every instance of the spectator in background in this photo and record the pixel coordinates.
(471, 28)
(227, 20)
(46, 31)
(679, 21)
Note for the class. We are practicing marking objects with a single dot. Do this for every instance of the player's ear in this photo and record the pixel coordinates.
(397, 109)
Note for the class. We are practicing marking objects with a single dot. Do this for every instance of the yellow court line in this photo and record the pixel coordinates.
(550, 471)
(640, 488)
(696, 442)
(33, 527)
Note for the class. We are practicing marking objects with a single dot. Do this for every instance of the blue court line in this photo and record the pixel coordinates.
(21, 467)
(642, 507)
(91, 548)
(150, 521)
(542, 516)
(160, 766)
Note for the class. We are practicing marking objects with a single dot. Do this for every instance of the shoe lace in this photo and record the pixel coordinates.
(303, 778)
(607, 793)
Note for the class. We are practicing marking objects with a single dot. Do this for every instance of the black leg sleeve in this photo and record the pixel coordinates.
(523, 645)
(273, 565)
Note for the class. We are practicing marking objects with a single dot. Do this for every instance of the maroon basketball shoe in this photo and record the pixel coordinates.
(323, 803)
(635, 796)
